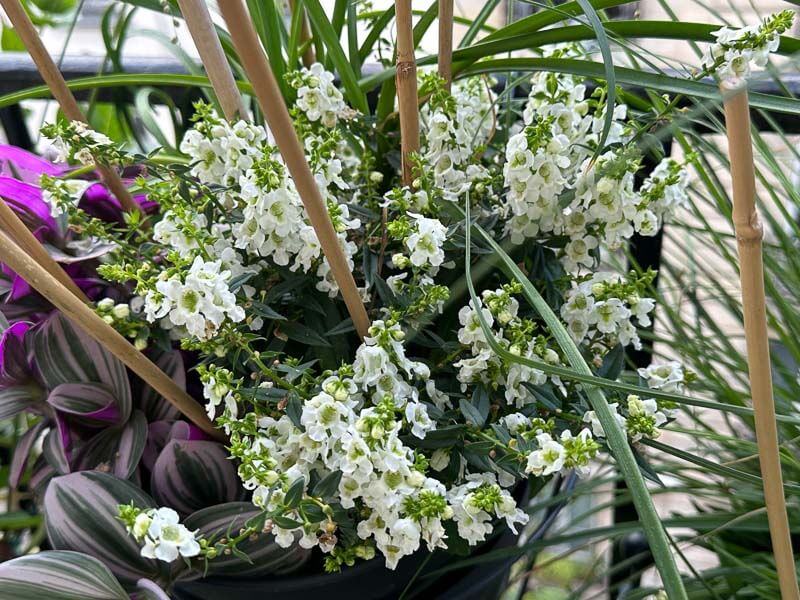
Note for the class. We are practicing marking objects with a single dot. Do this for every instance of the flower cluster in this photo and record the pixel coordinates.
(600, 310)
(419, 434)
(556, 187)
(519, 336)
(161, 533)
(642, 418)
(736, 50)
(456, 126)
(199, 301)
(76, 141)
(317, 95)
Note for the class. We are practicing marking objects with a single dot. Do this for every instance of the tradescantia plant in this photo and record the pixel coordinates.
(419, 435)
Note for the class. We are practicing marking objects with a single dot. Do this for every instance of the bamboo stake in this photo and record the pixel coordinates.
(749, 234)
(85, 318)
(204, 34)
(55, 81)
(407, 97)
(446, 42)
(16, 229)
(305, 37)
(269, 97)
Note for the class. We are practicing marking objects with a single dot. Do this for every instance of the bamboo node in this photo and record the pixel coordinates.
(406, 68)
(750, 232)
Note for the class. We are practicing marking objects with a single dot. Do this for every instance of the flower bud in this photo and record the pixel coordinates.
(400, 261)
(105, 304)
(376, 176)
(121, 311)
(377, 431)
(416, 479)
(551, 356)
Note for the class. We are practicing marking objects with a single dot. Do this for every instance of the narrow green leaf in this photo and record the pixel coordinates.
(616, 437)
(608, 67)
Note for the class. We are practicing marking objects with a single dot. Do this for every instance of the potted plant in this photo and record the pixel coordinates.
(390, 378)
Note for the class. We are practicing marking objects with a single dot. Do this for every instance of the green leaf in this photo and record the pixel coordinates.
(608, 66)
(323, 28)
(300, 333)
(613, 363)
(267, 22)
(477, 23)
(617, 438)
(58, 575)
(328, 485)
(470, 412)
(295, 493)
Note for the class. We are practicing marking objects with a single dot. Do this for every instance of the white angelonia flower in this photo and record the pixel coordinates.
(668, 377)
(425, 243)
(590, 417)
(417, 415)
(166, 538)
(548, 459)
(737, 49)
(62, 194)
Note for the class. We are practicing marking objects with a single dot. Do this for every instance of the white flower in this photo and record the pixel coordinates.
(167, 539)
(548, 459)
(425, 244)
(417, 416)
(668, 376)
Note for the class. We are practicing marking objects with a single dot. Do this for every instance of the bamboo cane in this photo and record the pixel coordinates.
(16, 229)
(305, 36)
(85, 318)
(749, 234)
(55, 81)
(445, 64)
(204, 34)
(266, 89)
(407, 97)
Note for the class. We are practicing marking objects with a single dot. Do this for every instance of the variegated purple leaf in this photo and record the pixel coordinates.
(22, 453)
(58, 575)
(41, 476)
(79, 254)
(162, 432)
(14, 362)
(16, 399)
(56, 452)
(152, 403)
(16, 162)
(267, 558)
(65, 354)
(81, 514)
(148, 590)
(190, 475)
(91, 403)
(116, 450)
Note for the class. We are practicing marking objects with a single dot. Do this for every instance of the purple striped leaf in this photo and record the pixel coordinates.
(22, 453)
(41, 476)
(65, 354)
(16, 399)
(152, 403)
(81, 514)
(162, 432)
(267, 558)
(116, 450)
(148, 590)
(91, 403)
(55, 451)
(190, 475)
(14, 363)
(58, 575)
